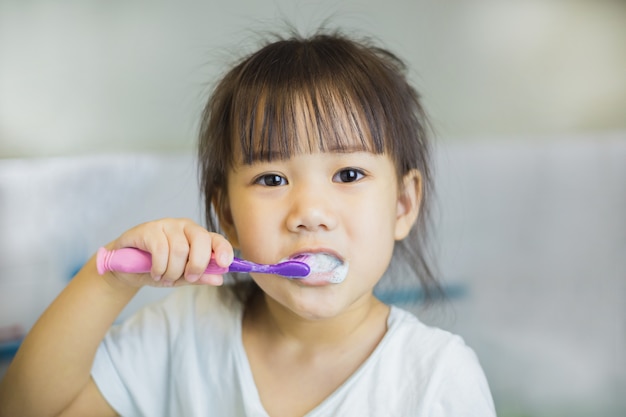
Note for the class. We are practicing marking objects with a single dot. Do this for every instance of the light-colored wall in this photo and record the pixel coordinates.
(528, 98)
(82, 77)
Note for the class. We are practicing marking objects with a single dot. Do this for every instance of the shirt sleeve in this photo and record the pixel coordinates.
(132, 364)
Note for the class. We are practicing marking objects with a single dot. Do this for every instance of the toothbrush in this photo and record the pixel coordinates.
(133, 260)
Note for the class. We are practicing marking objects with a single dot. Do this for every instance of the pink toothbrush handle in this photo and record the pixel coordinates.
(136, 261)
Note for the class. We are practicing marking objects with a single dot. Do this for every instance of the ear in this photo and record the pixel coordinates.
(221, 205)
(409, 202)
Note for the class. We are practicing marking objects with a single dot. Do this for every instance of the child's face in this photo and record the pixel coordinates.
(345, 204)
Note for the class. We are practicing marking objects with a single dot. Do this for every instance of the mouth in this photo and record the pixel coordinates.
(326, 268)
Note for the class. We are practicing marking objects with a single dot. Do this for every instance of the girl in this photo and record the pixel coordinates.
(307, 146)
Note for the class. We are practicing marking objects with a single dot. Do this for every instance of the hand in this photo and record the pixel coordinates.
(180, 249)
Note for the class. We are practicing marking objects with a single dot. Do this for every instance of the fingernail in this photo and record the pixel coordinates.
(157, 277)
(224, 259)
(192, 277)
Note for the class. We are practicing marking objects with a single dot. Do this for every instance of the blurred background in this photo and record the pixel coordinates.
(99, 109)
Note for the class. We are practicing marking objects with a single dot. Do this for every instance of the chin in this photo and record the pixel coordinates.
(317, 308)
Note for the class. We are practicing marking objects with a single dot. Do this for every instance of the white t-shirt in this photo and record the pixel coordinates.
(184, 357)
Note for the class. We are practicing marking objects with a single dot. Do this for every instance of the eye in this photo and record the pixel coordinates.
(270, 180)
(348, 175)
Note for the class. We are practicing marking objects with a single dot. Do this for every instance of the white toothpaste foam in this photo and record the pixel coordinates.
(325, 267)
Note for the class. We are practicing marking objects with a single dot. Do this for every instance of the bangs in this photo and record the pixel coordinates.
(311, 103)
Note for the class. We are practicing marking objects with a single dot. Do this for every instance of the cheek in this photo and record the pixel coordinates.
(256, 227)
(372, 230)
(375, 216)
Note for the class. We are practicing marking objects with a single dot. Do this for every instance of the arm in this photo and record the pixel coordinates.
(52, 366)
(50, 375)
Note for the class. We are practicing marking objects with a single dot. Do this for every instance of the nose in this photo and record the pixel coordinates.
(311, 209)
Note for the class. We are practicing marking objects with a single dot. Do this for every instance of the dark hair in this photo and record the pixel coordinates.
(338, 87)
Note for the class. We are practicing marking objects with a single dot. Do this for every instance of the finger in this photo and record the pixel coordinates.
(177, 256)
(204, 279)
(159, 249)
(211, 279)
(223, 251)
(151, 238)
(199, 251)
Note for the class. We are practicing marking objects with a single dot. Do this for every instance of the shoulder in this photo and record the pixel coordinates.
(195, 299)
(161, 351)
(426, 347)
(406, 330)
(184, 310)
(438, 366)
